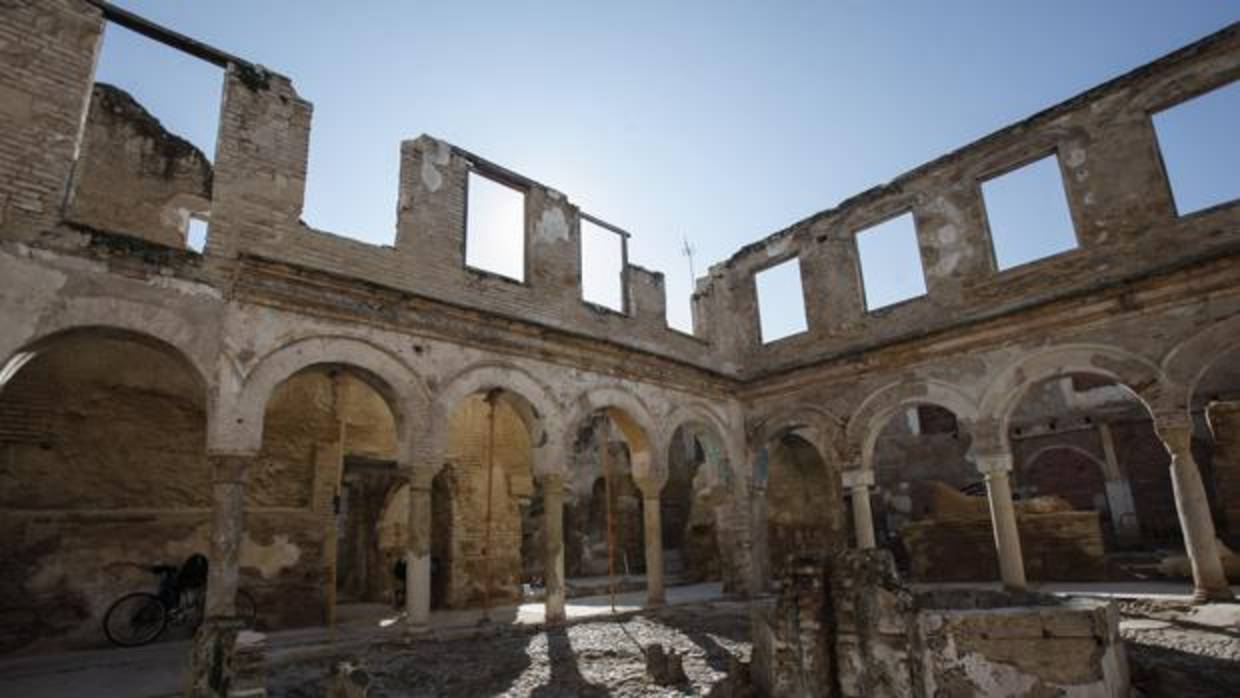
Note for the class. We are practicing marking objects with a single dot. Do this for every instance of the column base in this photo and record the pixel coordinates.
(227, 661)
(1201, 595)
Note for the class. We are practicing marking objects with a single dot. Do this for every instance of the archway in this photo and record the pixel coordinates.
(329, 452)
(103, 473)
(1215, 408)
(803, 509)
(928, 508)
(698, 479)
(484, 503)
(1091, 474)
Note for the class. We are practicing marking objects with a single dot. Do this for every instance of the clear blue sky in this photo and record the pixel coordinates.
(722, 121)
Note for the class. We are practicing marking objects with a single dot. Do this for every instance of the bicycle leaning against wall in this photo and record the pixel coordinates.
(141, 617)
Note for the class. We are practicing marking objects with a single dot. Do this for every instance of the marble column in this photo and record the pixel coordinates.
(858, 483)
(653, 517)
(418, 552)
(553, 561)
(996, 469)
(1209, 580)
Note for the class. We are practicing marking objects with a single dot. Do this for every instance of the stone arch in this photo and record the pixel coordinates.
(816, 425)
(631, 414)
(528, 397)
(1189, 361)
(1001, 397)
(137, 321)
(700, 417)
(879, 406)
(399, 385)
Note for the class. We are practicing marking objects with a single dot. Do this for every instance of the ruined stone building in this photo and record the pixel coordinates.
(309, 409)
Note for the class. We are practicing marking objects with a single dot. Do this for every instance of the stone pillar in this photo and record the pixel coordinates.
(212, 660)
(655, 595)
(1209, 582)
(760, 550)
(227, 530)
(858, 483)
(553, 562)
(418, 552)
(996, 468)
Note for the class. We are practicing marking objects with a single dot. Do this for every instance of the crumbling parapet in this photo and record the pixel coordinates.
(846, 626)
(135, 177)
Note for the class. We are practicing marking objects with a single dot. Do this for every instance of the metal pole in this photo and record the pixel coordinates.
(486, 544)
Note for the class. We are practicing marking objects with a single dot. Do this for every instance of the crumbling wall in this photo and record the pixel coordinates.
(955, 542)
(133, 176)
(801, 500)
(846, 626)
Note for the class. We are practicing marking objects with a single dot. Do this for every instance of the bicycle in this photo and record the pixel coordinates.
(140, 617)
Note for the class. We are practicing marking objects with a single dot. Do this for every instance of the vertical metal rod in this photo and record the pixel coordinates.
(486, 545)
(605, 455)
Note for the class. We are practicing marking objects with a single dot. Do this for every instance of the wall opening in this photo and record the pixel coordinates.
(891, 270)
(196, 234)
(602, 266)
(1027, 211)
(781, 301)
(495, 228)
(1200, 149)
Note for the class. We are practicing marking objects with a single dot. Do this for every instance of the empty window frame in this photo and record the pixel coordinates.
(1200, 149)
(495, 227)
(196, 234)
(891, 269)
(1027, 210)
(781, 301)
(602, 265)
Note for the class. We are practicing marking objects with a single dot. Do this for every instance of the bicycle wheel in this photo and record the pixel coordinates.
(135, 619)
(247, 609)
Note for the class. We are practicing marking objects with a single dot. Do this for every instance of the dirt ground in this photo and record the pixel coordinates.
(1175, 650)
(596, 658)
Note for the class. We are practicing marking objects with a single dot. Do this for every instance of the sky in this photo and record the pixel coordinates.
(717, 122)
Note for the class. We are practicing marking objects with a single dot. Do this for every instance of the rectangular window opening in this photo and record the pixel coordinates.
(196, 234)
(781, 301)
(1200, 149)
(495, 228)
(1027, 210)
(891, 270)
(602, 266)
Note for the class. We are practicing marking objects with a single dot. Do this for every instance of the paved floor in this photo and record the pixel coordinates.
(158, 670)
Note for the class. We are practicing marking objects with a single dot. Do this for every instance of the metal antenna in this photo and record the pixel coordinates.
(688, 250)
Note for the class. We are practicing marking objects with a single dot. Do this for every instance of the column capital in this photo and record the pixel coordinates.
(992, 464)
(857, 478)
(552, 482)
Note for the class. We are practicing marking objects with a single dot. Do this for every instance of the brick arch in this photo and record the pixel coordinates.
(878, 407)
(529, 397)
(816, 425)
(1027, 469)
(1001, 397)
(635, 420)
(395, 381)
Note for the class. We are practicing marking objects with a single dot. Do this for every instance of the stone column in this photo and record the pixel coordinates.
(652, 515)
(996, 467)
(858, 483)
(227, 530)
(760, 548)
(418, 552)
(1209, 581)
(211, 662)
(553, 562)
